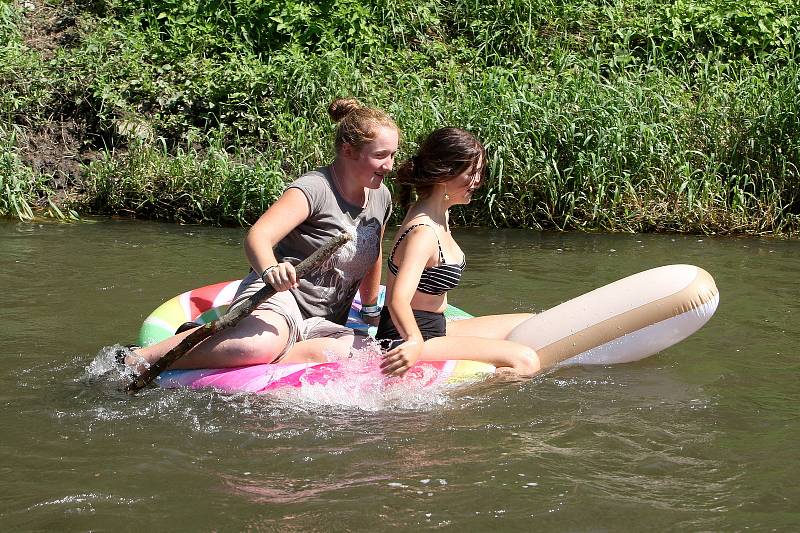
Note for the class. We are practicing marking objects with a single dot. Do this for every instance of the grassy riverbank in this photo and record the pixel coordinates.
(643, 115)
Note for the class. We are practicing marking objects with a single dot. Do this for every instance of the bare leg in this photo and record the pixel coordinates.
(316, 350)
(500, 353)
(489, 327)
(257, 338)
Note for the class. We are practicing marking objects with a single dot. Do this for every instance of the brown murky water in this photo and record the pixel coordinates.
(700, 437)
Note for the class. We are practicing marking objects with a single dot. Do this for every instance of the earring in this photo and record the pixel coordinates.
(446, 196)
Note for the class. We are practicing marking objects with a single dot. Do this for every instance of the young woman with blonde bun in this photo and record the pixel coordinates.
(425, 262)
(306, 317)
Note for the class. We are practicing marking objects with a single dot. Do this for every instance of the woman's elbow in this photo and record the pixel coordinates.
(256, 237)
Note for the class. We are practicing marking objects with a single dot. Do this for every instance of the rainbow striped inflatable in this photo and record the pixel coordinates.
(209, 303)
(621, 322)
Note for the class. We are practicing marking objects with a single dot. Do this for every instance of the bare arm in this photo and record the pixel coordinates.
(370, 285)
(419, 247)
(283, 216)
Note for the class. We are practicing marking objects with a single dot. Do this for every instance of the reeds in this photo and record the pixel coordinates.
(638, 116)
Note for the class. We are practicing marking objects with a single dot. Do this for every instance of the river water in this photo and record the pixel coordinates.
(702, 436)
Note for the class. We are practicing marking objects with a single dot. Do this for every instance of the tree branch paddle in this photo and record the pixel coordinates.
(233, 316)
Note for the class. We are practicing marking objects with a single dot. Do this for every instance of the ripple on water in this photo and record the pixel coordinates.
(101, 399)
(638, 435)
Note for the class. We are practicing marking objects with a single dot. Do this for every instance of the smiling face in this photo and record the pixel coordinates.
(370, 165)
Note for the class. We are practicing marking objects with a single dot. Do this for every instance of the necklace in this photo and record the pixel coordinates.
(337, 182)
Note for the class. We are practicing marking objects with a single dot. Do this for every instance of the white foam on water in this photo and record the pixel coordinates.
(105, 365)
(362, 386)
(359, 385)
(83, 502)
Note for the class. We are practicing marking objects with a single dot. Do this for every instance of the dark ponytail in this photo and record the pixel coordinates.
(443, 155)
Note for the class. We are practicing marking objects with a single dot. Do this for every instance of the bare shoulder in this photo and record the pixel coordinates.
(419, 228)
(417, 238)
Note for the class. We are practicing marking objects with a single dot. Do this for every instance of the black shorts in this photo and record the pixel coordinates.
(430, 324)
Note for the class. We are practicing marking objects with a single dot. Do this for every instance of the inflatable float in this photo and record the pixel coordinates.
(621, 322)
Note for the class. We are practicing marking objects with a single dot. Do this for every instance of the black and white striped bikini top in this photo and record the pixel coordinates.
(437, 279)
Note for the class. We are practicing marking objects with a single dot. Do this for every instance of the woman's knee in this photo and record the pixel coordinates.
(262, 333)
(246, 345)
(526, 361)
(262, 348)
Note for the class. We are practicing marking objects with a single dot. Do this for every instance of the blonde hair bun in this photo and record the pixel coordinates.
(341, 107)
(357, 125)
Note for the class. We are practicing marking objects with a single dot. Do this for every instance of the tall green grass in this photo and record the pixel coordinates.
(649, 115)
(25, 194)
(185, 186)
(18, 185)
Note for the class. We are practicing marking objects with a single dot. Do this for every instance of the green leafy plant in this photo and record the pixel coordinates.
(649, 115)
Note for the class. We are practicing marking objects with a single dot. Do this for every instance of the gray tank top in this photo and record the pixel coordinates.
(329, 291)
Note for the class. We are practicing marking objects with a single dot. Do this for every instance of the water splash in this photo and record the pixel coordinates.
(106, 367)
(360, 384)
(357, 383)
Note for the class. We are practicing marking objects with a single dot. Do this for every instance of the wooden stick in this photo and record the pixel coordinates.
(233, 316)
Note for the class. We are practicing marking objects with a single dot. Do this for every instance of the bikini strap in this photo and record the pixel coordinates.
(403, 236)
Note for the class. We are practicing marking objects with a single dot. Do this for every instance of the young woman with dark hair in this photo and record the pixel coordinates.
(426, 262)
